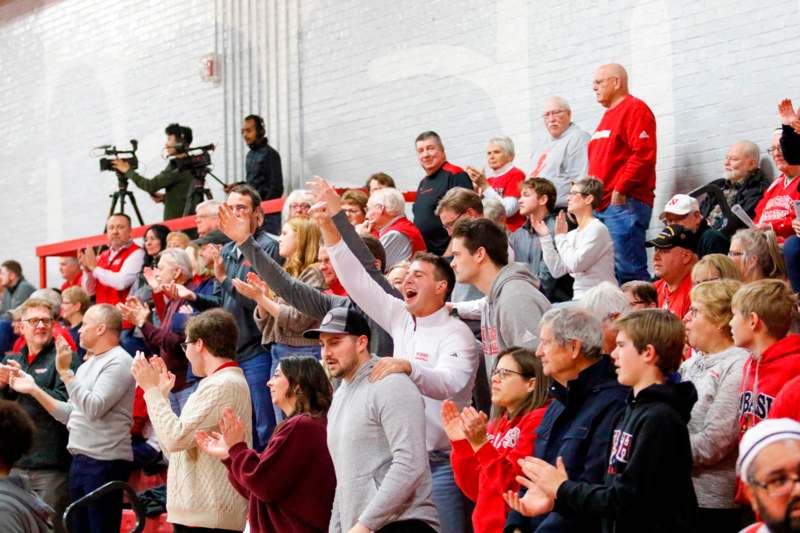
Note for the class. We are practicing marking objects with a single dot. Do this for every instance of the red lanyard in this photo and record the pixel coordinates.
(225, 365)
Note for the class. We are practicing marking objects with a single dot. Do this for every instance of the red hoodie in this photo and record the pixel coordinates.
(762, 380)
(787, 402)
(484, 476)
(776, 207)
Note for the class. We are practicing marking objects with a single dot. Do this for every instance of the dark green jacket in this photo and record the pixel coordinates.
(176, 187)
(49, 450)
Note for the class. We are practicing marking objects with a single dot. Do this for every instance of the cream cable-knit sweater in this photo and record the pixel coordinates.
(198, 491)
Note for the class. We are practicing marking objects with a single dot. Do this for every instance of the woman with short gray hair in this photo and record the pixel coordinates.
(502, 181)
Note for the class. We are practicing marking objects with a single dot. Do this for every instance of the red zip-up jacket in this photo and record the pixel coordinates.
(762, 380)
(622, 152)
(776, 207)
(484, 476)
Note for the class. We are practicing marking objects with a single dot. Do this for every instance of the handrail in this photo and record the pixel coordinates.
(99, 492)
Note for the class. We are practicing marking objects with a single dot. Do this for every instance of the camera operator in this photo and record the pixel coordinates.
(176, 184)
(263, 168)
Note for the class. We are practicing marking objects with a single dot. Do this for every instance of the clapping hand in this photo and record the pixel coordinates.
(134, 311)
(561, 223)
(166, 379)
(151, 277)
(22, 382)
(475, 423)
(254, 288)
(144, 373)
(219, 268)
(87, 258)
(453, 425)
(478, 178)
(231, 431)
(64, 355)
(7, 371)
(534, 503)
(546, 476)
(176, 291)
(540, 227)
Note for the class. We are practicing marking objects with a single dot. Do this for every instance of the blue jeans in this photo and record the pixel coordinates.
(791, 254)
(627, 225)
(256, 371)
(87, 474)
(279, 351)
(453, 507)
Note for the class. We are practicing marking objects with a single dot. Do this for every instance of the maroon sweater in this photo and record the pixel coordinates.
(290, 485)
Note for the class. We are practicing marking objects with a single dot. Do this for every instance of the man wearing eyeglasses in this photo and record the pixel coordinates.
(230, 264)
(565, 158)
(769, 465)
(622, 154)
(47, 463)
(776, 209)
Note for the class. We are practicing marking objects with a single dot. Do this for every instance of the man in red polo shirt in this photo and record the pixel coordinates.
(386, 213)
(672, 262)
(71, 271)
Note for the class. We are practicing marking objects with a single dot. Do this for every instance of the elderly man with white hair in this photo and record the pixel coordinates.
(607, 303)
(386, 218)
(174, 267)
(503, 180)
(743, 185)
(769, 466)
(565, 158)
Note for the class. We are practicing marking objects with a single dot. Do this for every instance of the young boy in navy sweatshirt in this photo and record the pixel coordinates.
(648, 485)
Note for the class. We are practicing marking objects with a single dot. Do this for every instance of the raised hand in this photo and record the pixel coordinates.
(151, 277)
(87, 258)
(219, 268)
(237, 228)
(453, 425)
(324, 192)
(212, 443)
(145, 374)
(786, 112)
(176, 291)
(248, 290)
(546, 476)
(166, 379)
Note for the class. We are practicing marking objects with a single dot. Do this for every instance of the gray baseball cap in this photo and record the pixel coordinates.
(341, 320)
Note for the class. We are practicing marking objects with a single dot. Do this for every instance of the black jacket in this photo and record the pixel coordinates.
(577, 428)
(431, 189)
(648, 484)
(264, 174)
(49, 450)
(711, 241)
(747, 193)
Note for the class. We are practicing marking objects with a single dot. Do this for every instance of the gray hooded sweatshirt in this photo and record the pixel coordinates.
(376, 438)
(512, 312)
(21, 510)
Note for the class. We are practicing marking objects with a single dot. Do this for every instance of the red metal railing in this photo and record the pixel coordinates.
(65, 248)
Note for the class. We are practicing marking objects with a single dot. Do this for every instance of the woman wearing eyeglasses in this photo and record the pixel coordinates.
(290, 485)
(716, 372)
(485, 452)
(757, 255)
(587, 252)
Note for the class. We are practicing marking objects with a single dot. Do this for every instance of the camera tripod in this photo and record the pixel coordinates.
(120, 195)
(198, 190)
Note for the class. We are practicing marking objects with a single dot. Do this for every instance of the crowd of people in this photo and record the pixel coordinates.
(506, 360)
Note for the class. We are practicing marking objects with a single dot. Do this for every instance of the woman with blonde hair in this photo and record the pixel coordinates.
(713, 267)
(485, 452)
(757, 255)
(715, 369)
(283, 325)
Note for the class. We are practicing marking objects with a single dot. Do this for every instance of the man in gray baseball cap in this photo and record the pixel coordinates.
(387, 419)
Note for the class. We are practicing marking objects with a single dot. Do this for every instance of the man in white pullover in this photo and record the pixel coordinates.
(437, 351)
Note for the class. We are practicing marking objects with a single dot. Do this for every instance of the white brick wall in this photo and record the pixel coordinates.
(347, 85)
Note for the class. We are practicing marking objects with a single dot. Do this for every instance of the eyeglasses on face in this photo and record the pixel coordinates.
(33, 322)
(779, 486)
(504, 373)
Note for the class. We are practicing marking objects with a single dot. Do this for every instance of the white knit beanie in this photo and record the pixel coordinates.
(762, 435)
